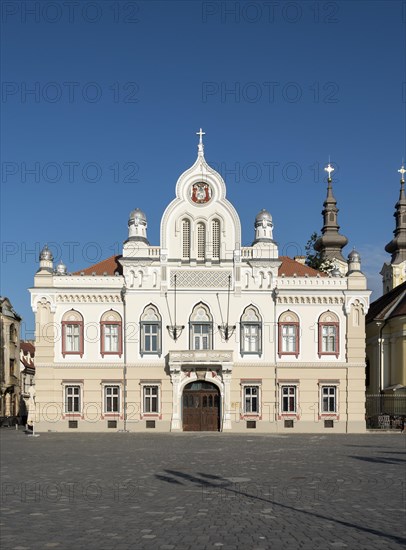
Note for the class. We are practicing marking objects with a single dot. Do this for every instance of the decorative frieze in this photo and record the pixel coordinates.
(200, 278)
(88, 298)
(326, 300)
(200, 356)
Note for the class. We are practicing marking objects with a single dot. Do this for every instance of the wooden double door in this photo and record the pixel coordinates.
(201, 407)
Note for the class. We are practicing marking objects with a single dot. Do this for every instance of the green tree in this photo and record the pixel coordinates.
(313, 257)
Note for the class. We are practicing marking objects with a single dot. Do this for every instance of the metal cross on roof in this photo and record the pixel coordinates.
(402, 172)
(201, 134)
(329, 169)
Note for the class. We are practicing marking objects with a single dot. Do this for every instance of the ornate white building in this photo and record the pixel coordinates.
(201, 333)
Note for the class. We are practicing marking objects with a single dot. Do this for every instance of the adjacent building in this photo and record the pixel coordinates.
(199, 332)
(27, 376)
(386, 331)
(9, 361)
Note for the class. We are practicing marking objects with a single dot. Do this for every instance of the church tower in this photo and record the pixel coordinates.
(331, 243)
(394, 273)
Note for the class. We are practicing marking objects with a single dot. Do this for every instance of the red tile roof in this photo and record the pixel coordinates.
(290, 267)
(110, 266)
(27, 347)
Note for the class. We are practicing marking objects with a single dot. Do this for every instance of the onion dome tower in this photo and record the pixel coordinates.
(331, 243)
(46, 260)
(61, 269)
(137, 226)
(263, 227)
(394, 273)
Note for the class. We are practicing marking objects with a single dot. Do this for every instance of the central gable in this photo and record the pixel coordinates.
(200, 224)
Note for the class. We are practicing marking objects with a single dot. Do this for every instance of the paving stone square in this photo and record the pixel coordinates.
(202, 491)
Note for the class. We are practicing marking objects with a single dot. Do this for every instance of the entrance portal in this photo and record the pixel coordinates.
(201, 407)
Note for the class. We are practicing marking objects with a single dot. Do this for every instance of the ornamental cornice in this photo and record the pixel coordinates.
(82, 366)
(88, 298)
(310, 300)
(321, 365)
(200, 356)
(73, 282)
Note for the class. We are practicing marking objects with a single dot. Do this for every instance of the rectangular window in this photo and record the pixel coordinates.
(201, 241)
(72, 399)
(328, 399)
(72, 338)
(289, 338)
(112, 399)
(150, 337)
(111, 338)
(329, 338)
(201, 336)
(251, 399)
(251, 339)
(288, 399)
(151, 399)
(186, 239)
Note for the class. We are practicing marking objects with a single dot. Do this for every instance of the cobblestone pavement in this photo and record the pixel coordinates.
(199, 491)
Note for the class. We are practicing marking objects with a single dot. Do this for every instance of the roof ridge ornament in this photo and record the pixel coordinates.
(200, 147)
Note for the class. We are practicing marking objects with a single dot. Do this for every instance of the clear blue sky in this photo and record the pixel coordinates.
(101, 101)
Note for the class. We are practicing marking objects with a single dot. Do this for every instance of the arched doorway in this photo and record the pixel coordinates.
(201, 407)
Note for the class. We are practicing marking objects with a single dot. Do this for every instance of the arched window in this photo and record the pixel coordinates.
(151, 331)
(72, 333)
(328, 334)
(251, 331)
(288, 342)
(111, 341)
(201, 241)
(185, 239)
(13, 333)
(215, 235)
(201, 328)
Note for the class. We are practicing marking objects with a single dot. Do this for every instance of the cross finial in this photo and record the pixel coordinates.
(329, 169)
(201, 134)
(402, 173)
(200, 146)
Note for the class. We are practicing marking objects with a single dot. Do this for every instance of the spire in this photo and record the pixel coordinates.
(200, 147)
(397, 246)
(331, 243)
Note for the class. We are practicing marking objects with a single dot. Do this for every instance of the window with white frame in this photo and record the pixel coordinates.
(151, 330)
(328, 399)
(73, 398)
(201, 241)
(251, 331)
(288, 342)
(185, 239)
(201, 328)
(251, 399)
(328, 334)
(151, 398)
(111, 336)
(288, 399)
(112, 398)
(72, 333)
(215, 230)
